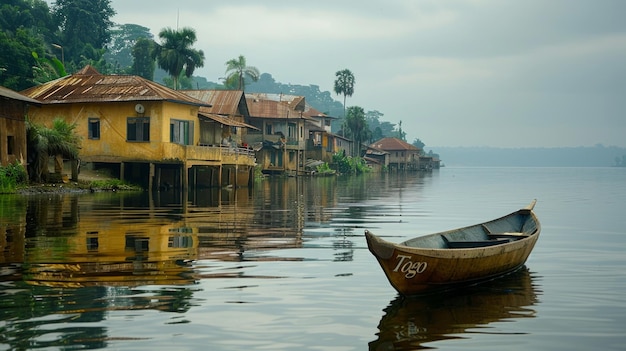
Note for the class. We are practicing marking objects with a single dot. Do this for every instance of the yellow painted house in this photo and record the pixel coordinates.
(139, 130)
(13, 110)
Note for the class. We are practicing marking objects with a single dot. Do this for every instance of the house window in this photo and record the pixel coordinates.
(179, 241)
(94, 128)
(10, 145)
(181, 132)
(92, 241)
(137, 244)
(268, 129)
(291, 130)
(138, 129)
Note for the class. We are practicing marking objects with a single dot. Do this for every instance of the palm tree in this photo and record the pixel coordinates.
(344, 85)
(357, 127)
(236, 69)
(42, 142)
(175, 53)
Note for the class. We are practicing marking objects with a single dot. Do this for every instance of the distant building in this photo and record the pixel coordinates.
(402, 156)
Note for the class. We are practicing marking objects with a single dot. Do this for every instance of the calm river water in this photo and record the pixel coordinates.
(285, 266)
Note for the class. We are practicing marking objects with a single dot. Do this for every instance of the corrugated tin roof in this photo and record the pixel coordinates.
(14, 95)
(223, 102)
(394, 144)
(269, 109)
(88, 85)
(224, 120)
(262, 105)
(297, 103)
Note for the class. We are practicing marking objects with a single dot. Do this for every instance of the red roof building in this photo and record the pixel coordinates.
(402, 155)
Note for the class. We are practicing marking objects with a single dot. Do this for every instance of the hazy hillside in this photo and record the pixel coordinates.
(596, 156)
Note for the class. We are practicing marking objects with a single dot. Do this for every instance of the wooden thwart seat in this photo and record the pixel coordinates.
(473, 244)
(508, 235)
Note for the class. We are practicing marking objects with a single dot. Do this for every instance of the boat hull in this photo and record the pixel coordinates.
(416, 270)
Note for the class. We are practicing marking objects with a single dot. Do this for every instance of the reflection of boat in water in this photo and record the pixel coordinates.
(410, 322)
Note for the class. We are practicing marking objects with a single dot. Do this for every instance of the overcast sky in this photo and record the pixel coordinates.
(527, 73)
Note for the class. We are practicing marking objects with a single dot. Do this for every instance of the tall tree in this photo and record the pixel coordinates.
(84, 29)
(25, 25)
(344, 85)
(124, 38)
(237, 71)
(379, 129)
(175, 53)
(356, 126)
(143, 61)
(418, 143)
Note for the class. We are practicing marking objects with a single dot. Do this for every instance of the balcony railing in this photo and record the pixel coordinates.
(218, 154)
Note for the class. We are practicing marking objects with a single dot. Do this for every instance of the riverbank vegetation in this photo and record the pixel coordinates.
(12, 177)
(349, 165)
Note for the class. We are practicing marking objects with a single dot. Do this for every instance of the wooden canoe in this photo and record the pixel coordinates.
(460, 256)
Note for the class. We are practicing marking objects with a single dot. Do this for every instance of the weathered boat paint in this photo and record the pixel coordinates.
(460, 256)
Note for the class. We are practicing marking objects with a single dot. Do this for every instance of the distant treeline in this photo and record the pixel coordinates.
(595, 156)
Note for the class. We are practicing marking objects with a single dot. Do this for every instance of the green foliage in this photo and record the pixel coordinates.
(121, 48)
(184, 82)
(258, 172)
(175, 53)
(356, 128)
(379, 129)
(16, 59)
(143, 62)
(324, 168)
(418, 143)
(44, 142)
(349, 165)
(401, 134)
(47, 69)
(344, 85)
(108, 184)
(237, 71)
(12, 176)
(85, 28)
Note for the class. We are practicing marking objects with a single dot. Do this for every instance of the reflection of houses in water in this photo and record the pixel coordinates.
(57, 241)
(150, 238)
(240, 228)
(117, 254)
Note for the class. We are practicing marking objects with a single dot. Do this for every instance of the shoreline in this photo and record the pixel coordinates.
(88, 182)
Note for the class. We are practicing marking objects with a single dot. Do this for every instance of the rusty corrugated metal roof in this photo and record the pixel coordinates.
(269, 109)
(223, 102)
(393, 144)
(88, 85)
(263, 105)
(14, 95)
(224, 120)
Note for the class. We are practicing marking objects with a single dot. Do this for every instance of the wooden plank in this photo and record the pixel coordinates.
(472, 244)
(508, 235)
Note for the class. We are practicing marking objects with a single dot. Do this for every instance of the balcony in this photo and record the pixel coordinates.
(209, 155)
